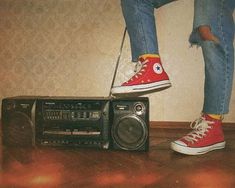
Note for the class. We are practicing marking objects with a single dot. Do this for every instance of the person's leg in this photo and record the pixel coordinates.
(140, 23)
(217, 33)
(214, 32)
(141, 27)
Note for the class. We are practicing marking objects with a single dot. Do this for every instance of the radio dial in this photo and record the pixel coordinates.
(139, 108)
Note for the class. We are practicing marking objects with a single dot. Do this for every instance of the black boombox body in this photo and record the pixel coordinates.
(105, 123)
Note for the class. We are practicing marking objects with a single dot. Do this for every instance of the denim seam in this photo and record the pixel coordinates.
(145, 42)
(225, 79)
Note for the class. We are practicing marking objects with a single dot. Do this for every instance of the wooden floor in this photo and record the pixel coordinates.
(160, 167)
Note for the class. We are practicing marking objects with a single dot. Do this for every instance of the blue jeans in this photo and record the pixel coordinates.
(218, 56)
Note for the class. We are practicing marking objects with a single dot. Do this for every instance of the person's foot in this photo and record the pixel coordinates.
(151, 76)
(207, 135)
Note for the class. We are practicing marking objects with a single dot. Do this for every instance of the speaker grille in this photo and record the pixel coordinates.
(18, 130)
(130, 132)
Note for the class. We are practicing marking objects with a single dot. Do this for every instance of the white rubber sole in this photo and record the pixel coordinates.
(140, 88)
(196, 151)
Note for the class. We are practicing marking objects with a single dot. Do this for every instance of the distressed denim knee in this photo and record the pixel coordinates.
(216, 41)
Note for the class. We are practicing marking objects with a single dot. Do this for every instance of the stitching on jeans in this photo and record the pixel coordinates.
(146, 47)
(145, 43)
(221, 29)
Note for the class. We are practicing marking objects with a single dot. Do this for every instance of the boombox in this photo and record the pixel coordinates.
(105, 123)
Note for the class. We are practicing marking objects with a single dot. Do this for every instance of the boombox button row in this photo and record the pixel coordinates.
(75, 132)
(55, 142)
(58, 132)
(88, 143)
(86, 133)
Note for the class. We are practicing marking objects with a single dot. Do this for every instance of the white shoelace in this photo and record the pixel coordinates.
(200, 127)
(139, 69)
(138, 66)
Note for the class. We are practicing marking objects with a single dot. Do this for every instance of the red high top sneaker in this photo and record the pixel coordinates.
(151, 76)
(207, 135)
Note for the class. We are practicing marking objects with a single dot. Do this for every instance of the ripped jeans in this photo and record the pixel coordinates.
(218, 56)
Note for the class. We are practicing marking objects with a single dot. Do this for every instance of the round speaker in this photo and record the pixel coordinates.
(129, 132)
(18, 130)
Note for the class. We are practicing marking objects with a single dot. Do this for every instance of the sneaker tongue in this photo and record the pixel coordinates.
(207, 117)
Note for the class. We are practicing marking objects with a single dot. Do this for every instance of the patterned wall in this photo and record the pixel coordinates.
(51, 47)
(70, 47)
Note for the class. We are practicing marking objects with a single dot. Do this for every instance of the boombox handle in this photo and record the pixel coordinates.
(118, 61)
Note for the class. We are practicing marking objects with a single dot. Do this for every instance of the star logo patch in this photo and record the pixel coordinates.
(157, 68)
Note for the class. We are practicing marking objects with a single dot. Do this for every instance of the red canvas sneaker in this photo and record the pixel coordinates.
(151, 76)
(207, 135)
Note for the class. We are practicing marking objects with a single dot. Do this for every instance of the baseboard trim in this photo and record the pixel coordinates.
(182, 125)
